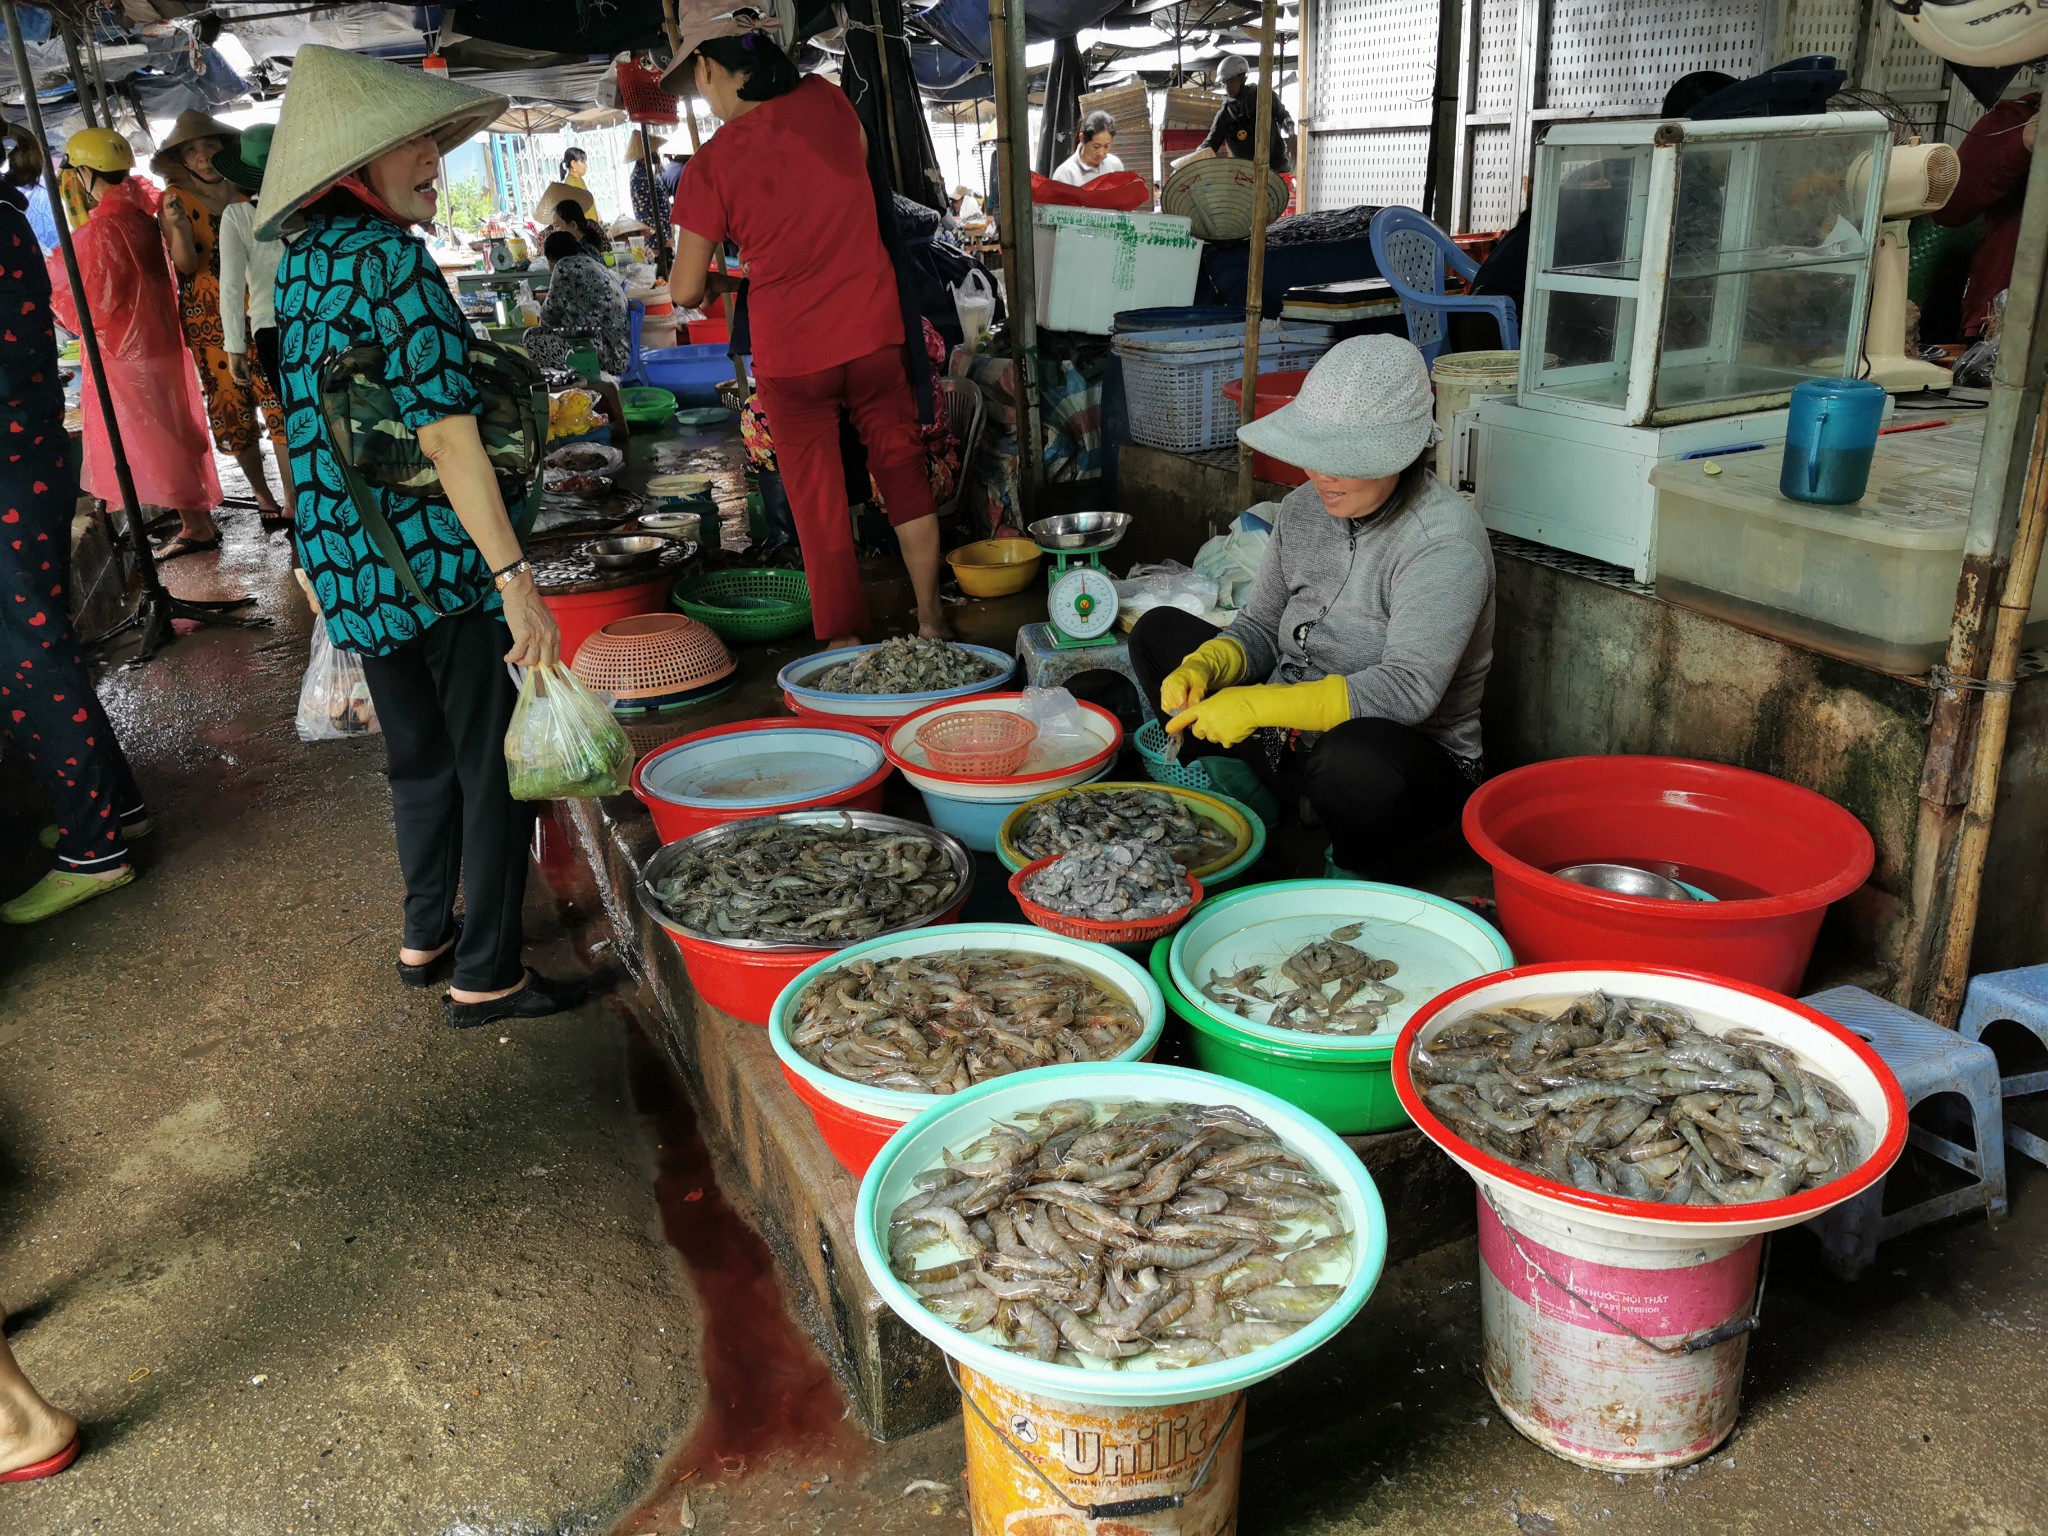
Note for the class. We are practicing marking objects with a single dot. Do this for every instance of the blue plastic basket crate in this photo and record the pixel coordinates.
(1174, 377)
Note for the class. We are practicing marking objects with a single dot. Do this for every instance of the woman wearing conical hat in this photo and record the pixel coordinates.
(352, 169)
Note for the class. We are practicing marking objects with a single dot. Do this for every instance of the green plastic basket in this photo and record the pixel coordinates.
(746, 605)
(647, 407)
(1151, 741)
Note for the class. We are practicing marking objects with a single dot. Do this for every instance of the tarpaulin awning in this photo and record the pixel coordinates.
(962, 25)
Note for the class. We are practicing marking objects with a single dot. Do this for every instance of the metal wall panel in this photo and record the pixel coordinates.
(1618, 57)
(1374, 75)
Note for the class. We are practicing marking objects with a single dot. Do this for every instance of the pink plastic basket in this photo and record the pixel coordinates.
(981, 743)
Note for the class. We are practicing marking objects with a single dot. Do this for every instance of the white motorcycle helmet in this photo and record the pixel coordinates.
(1988, 34)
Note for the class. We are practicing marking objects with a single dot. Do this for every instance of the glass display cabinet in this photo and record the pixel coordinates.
(1684, 271)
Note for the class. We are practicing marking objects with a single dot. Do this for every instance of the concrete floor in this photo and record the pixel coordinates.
(304, 1260)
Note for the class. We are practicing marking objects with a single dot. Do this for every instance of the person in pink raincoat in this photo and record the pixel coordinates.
(135, 314)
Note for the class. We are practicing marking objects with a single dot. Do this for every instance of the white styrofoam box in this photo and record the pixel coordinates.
(1093, 263)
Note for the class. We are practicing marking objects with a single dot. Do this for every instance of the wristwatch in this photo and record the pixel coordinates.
(502, 579)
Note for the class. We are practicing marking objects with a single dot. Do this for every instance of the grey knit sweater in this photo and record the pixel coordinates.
(1400, 603)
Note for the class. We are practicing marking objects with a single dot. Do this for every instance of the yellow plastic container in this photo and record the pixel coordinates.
(995, 567)
(1065, 1469)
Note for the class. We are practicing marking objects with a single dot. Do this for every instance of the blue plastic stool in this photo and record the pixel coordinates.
(1927, 1060)
(2013, 997)
(636, 368)
(1049, 666)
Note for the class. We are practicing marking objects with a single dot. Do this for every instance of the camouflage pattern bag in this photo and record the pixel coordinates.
(374, 447)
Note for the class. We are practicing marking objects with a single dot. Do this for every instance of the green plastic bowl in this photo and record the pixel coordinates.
(646, 407)
(704, 416)
(1344, 1081)
(746, 605)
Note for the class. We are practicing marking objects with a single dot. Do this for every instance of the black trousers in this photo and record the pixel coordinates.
(1378, 786)
(443, 702)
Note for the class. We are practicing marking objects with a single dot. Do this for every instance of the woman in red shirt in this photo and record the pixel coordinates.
(786, 178)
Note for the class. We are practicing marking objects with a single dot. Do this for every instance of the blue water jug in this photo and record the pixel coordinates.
(1829, 439)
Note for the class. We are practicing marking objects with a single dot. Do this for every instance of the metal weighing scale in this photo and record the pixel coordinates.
(1082, 602)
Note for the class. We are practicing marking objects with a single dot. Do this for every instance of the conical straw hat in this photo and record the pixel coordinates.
(342, 111)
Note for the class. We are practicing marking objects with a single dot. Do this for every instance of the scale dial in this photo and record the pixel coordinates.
(1083, 603)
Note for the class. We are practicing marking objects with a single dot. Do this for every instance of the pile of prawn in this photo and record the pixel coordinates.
(1162, 1234)
(1625, 1096)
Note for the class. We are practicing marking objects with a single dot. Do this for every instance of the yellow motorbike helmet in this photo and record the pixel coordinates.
(99, 149)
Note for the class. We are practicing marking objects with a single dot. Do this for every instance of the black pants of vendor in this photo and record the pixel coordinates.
(1377, 785)
(443, 702)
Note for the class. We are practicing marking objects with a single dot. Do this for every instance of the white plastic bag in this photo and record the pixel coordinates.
(334, 699)
(1171, 585)
(1232, 559)
(974, 301)
(1064, 728)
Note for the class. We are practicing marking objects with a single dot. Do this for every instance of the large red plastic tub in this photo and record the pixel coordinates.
(1271, 391)
(850, 1135)
(579, 615)
(1775, 855)
(675, 821)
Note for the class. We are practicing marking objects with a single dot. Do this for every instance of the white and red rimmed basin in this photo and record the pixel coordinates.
(1717, 1005)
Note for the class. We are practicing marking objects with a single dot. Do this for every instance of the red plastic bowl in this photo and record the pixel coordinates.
(1092, 929)
(853, 1137)
(1272, 391)
(1778, 856)
(579, 615)
(745, 982)
(675, 822)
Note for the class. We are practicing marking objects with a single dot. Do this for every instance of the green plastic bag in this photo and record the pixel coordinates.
(563, 743)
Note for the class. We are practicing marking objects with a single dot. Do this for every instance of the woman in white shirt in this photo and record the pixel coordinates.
(248, 273)
(1091, 157)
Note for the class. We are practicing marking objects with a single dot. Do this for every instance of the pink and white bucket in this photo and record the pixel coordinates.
(1615, 1330)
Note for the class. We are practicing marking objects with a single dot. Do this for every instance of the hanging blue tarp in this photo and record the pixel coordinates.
(962, 25)
(939, 69)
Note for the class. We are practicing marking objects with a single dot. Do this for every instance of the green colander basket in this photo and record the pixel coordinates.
(746, 605)
(647, 407)
(1151, 740)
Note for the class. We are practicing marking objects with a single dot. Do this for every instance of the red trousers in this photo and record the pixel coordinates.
(803, 420)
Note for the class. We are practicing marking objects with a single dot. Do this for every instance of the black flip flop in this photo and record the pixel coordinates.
(431, 971)
(179, 547)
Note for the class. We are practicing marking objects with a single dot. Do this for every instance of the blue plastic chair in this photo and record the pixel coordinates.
(636, 369)
(1412, 254)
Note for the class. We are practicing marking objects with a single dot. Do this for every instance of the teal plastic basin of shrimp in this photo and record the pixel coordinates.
(957, 1119)
(1344, 1081)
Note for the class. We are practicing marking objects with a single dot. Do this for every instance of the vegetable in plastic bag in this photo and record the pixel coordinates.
(563, 743)
(334, 699)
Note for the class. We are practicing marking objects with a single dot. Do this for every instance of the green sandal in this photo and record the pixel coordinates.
(60, 891)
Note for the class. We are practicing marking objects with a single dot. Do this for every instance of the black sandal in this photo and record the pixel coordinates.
(538, 999)
(428, 972)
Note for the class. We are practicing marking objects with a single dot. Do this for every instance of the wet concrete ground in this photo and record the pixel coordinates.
(303, 1259)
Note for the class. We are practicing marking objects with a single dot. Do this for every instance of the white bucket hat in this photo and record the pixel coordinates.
(343, 110)
(1365, 410)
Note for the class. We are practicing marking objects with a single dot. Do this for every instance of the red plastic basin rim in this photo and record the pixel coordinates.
(776, 723)
(1791, 1207)
(1116, 742)
(1104, 925)
(1737, 909)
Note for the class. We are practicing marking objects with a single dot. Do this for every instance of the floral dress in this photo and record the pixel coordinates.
(230, 405)
(349, 280)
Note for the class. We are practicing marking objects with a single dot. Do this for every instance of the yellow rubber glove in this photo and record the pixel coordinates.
(1230, 716)
(1211, 665)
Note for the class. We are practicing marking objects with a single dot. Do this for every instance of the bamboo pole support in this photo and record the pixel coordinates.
(1255, 270)
(1952, 970)
(1020, 288)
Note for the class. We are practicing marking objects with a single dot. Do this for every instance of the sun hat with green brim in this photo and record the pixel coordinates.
(342, 110)
(1364, 411)
(241, 159)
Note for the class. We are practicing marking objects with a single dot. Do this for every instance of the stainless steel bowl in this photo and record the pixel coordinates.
(710, 842)
(669, 522)
(1080, 533)
(1625, 880)
(634, 549)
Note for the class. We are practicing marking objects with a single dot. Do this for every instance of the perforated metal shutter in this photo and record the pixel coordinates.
(1372, 80)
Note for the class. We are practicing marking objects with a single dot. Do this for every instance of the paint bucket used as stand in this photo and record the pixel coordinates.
(1037, 1466)
(1615, 1330)
(1617, 1352)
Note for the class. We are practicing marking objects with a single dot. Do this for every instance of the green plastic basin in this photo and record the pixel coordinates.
(1344, 1081)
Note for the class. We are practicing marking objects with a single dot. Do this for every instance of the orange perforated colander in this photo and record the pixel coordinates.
(651, 656)
(982, 743)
